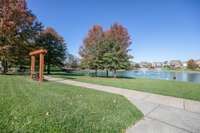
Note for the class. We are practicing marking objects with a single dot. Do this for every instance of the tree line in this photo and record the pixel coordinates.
(106, 50)
(21, 32)
(191, 64)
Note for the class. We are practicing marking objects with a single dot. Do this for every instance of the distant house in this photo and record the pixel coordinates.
(198, 62)
(176, 64)
(185, 64)
(145, 64)
(157, 64)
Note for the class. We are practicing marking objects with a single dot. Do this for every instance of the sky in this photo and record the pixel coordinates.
(160, 29)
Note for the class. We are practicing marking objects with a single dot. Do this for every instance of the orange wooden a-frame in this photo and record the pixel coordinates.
(40, 52)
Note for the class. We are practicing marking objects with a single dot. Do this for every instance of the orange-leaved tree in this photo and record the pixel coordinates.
(17, 26)
(89, 51)
(106, 50)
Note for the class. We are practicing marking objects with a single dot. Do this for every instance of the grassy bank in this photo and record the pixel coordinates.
(170, 88)
(26, 106)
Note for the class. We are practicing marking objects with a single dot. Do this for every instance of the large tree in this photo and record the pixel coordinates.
(89, 51)
(114, 58)
(51, 41)
(106, 50)
(119, 34)
(117, 41)
(18, 27)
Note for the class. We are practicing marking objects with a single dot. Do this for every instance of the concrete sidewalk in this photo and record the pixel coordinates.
(162, 114)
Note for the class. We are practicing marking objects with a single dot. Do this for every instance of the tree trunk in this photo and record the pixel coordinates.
(48, 64)
(5, 66)
(96, 72)
(48, 68)
(106, 73)
(115, 74)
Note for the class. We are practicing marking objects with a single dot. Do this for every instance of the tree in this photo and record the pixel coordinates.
(55, 45)
(17, 30)
(120, 35)
(106, 50)
(117, 41)
(72, 62)
(114, 58)
(191, 64)
(137, 65)
(89, 51)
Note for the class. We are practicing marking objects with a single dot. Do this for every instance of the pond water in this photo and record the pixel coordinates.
(159, 74)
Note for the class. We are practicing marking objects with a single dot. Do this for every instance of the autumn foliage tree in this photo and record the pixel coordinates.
(191, 64)
(120, 35)
(20, 33)
(106, 50)
(90, 51)
(117, 42)
(17, 26)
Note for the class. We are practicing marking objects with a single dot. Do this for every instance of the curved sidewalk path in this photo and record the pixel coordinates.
(162, 114)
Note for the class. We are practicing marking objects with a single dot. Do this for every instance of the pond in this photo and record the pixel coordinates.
(158, 74)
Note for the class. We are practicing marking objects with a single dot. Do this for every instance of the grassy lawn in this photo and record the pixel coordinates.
(26, 106)
(170, 88)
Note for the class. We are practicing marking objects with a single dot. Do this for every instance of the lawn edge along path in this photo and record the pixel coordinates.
(171, 88)
(161, 112)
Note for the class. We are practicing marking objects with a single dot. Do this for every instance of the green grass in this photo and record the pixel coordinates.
(169, 88)
(26, 106)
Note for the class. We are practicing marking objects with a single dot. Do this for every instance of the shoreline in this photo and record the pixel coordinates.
(188, 71)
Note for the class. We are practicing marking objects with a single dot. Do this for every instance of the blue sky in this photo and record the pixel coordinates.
(160, 29)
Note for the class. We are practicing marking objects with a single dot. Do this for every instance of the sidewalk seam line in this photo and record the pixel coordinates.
(169, 124)
(153, 110)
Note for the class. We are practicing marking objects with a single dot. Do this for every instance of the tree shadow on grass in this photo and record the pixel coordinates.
(67, 74)
(72, 75)
(66, 77)
(15, 74)
(111, 77)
